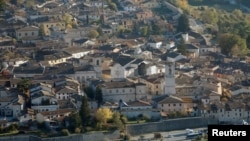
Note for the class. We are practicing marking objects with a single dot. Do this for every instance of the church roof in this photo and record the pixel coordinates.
(171, 99)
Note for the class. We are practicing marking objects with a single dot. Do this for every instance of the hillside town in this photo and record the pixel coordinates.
(128, 56)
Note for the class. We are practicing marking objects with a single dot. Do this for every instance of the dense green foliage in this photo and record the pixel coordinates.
(232, 44)
(98, 95)
(183, 23)
(2, 5)
(75, 121)
(181, 47)
(85, 111)
(229, 24)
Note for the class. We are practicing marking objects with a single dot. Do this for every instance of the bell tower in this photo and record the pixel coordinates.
(169, 87)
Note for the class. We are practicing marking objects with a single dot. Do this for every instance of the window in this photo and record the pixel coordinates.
(32, 33)
(20, 34)
(174, 104)
(97, 62)
(123, 90)
(117, 90)
(26, 34)
(156, 86)
(180, 104)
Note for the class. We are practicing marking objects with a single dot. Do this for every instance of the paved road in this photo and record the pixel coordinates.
(178, 135)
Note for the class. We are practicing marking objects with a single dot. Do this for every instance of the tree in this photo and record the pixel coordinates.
(136, 28)
(89, 92)
(142, 69)
(157, 135)
(112, 5)
(156, 30)
(42, 30)
(103, 115)
(2, 5)
(29, 3)
(68, 19)
(116, 118)
(98, 95)
(228, 41)
(93, 34)
(144, 31)
(183, 23)
(75, 121)
(235, 52)
(124, 119)
(23, 84)
(238, 13)
(183, 4)
(99, 30)
(65, 132)
(181, 47)
(248, 41)
(210, 16)
(14, 2)
(84, 111)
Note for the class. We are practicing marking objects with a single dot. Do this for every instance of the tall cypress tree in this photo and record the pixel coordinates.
(183, 23)
(98, 96)
(85, 111)
(181, 48)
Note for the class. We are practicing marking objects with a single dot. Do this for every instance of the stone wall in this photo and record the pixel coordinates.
(97, 136)
(137, 129)
(168, 125)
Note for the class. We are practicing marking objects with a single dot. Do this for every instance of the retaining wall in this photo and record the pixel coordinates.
(168, 125)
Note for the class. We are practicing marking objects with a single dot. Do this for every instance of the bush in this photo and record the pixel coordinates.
(41, 125)
(127, 137)
(77, 130)
(143, 117)
(65, 132)
(12, 127)
(157, 135)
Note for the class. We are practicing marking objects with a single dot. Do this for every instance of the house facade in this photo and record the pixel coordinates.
(173, 104)
(29, 31)
(123, 90)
